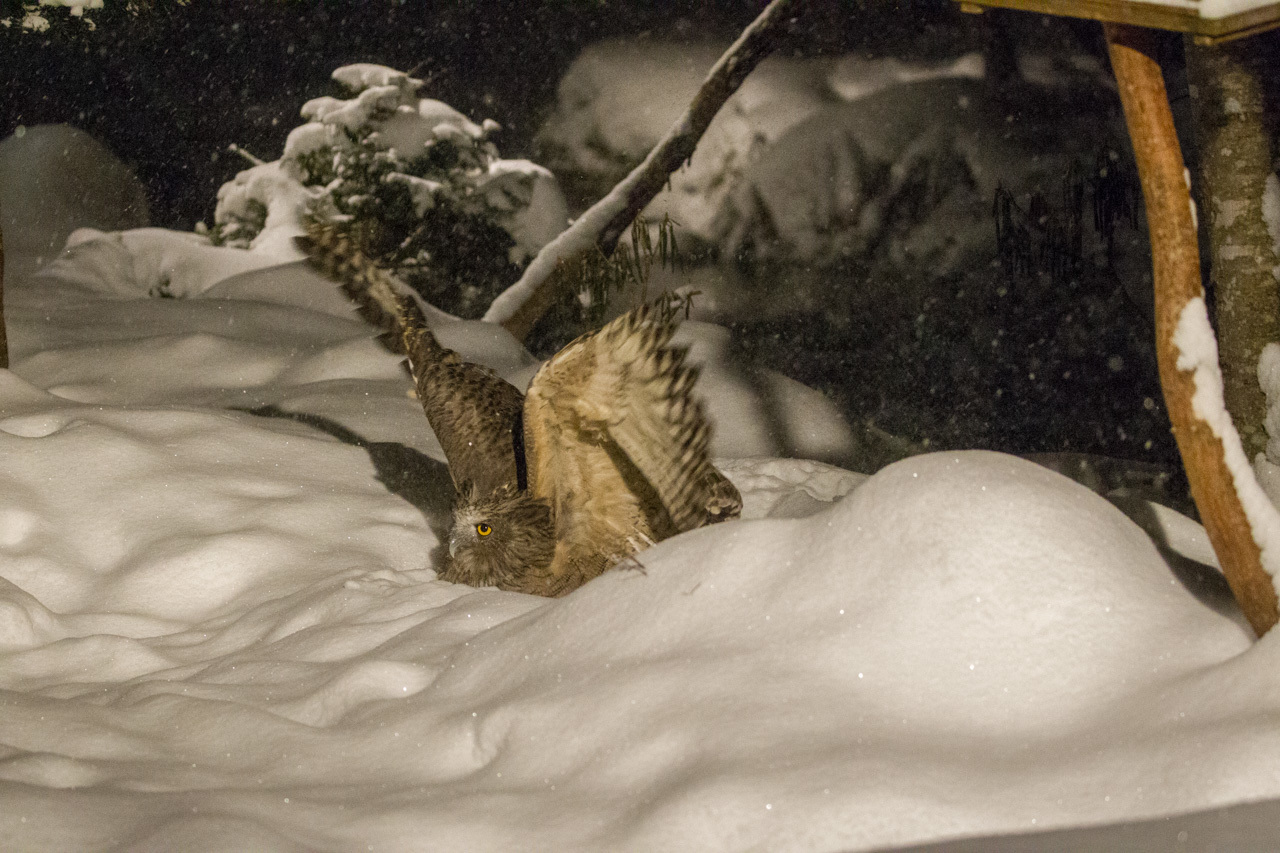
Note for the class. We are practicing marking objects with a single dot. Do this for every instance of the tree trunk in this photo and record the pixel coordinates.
(1235, 161)
(1202, 440)
(4, 341)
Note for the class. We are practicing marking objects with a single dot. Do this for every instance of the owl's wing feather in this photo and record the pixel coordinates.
(623, 386)
(641, 392)
(474, 412)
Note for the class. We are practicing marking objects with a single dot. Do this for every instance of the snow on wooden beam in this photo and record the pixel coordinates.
(1209, 21)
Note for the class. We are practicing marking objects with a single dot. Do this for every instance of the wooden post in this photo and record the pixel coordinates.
(1176, 269)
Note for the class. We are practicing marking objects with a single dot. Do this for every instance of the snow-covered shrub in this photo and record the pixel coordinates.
(424, 185)
(69, 18)
(31, 17)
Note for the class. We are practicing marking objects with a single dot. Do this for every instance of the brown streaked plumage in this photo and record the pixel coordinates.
(605, 455)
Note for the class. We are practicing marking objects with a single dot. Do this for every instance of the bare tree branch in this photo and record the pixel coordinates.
(1176, 269)
(520, 306)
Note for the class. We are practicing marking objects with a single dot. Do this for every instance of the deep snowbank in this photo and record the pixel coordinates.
(221, 629)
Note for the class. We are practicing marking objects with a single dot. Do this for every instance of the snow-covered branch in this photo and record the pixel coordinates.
(520, 306)
(1241, 523)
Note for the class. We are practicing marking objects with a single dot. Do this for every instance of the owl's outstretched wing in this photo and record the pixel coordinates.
(474, 412)
(617, 442)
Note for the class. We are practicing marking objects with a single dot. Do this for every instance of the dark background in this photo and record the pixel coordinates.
(170, 88)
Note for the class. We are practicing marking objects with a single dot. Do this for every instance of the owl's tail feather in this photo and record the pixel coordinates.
(474, 412)
(338, 255)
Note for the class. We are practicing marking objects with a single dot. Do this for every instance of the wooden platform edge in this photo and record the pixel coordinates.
(1153, 15)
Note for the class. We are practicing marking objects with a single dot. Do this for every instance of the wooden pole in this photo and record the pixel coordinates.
(1176, 270)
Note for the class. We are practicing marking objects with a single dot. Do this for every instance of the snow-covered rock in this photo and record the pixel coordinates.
(54, 179)
(620, 96)
(875, 167)
(898, 184)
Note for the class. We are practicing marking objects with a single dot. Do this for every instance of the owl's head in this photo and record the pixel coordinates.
(498, 538)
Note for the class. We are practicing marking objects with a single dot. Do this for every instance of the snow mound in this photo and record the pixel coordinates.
(164, 551)
(151, 262)
(773, 683)
(54, 179)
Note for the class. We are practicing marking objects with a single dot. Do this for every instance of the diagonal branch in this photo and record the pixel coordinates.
(1216, 466)
(520, 306)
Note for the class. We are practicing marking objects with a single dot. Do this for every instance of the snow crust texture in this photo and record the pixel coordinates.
(220, 628)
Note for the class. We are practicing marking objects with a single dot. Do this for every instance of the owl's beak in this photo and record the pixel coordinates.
(453, 545)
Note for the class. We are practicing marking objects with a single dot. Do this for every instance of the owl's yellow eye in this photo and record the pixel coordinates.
(483, 529)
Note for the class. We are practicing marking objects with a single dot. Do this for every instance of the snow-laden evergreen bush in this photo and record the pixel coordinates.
(33, 18)
(423, 184)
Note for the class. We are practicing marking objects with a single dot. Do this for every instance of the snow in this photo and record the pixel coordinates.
(1213, 8)
(280, 193)
(526, 201)
(221, 630)
(619, 97)
(1210, 9)
(855, 77)
(1271, 217)
(362, 75)
(78, 183)
(573, 241)
(77, 6)
(1267, 465)
(1197, 349)
(422, 191)
(36, 22)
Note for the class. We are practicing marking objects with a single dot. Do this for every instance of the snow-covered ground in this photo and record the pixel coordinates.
(220, 629)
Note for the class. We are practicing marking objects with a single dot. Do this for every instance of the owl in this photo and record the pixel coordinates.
(604, 455)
